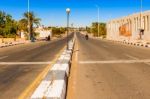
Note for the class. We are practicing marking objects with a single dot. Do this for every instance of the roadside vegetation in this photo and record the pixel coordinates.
(58, 31)
(11, 28)
(8, 26)
(93, 29)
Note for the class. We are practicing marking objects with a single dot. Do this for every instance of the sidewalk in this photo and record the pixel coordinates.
(7, 44)
(142, 43)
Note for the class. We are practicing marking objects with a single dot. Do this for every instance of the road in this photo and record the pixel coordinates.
(107, 70)
(17, 76)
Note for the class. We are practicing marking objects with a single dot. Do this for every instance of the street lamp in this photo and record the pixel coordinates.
(97, 20)
(68, 13)
(29, 20)
(31, 36)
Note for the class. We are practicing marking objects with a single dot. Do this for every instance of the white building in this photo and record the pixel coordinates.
(43, 33)
(128, 28)
(22, 35)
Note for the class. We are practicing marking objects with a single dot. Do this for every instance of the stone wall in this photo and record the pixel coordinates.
(8, 40)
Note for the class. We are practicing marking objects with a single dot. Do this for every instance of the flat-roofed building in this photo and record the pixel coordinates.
(132, 27)
(43, 32)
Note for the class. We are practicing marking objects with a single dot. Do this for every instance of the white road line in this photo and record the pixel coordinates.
(3, 57)
(115, 61)
(132, 57)
(24, 63)
(105, 46)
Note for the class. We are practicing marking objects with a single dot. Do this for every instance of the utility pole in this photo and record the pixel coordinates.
(98, 34)
(29, 19)
(68, 13)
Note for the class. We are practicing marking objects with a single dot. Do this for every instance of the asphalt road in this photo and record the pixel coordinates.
(14, 78)
(107, 70)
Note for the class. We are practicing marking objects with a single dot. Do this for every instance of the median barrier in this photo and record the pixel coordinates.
(53, 86)
(57, 90)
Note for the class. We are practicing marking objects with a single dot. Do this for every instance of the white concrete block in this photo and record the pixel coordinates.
(57, 90)
(61, 67)
(67, 58)
(41, 90)
(62, 57)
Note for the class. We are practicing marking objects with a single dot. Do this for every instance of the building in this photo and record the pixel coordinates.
(132, 27)
(43, 32)
(22, 34)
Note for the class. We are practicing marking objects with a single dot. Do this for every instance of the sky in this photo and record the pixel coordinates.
(83, 12)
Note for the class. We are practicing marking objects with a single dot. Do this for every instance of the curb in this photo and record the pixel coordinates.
(131, 43)
(12, 43)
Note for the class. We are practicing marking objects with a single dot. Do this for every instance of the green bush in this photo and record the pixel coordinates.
(94, 29)
(58, 31)
(8, 26)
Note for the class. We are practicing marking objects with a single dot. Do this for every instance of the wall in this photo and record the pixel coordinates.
(7, 40)
(127, 28)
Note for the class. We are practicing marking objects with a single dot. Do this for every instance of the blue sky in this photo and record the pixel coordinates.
(83, 12)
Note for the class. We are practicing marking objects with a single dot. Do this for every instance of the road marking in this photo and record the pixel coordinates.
(132, 57)
(105, 46)
(24, 63)
(3, 57)
(29, 90)
(115, 61)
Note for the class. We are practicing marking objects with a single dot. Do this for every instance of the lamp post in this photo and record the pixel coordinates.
(97, 20)
(68, 13)
(31, 36)
(29, 20)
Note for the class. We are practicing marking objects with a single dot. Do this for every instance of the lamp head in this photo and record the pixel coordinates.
(68, 10)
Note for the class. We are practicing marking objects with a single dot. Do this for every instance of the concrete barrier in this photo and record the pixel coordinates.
(57, 90)
(53, 86)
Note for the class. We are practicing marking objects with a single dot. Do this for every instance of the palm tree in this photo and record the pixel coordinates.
(8, 25)
(29, 21)
(2, 18)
